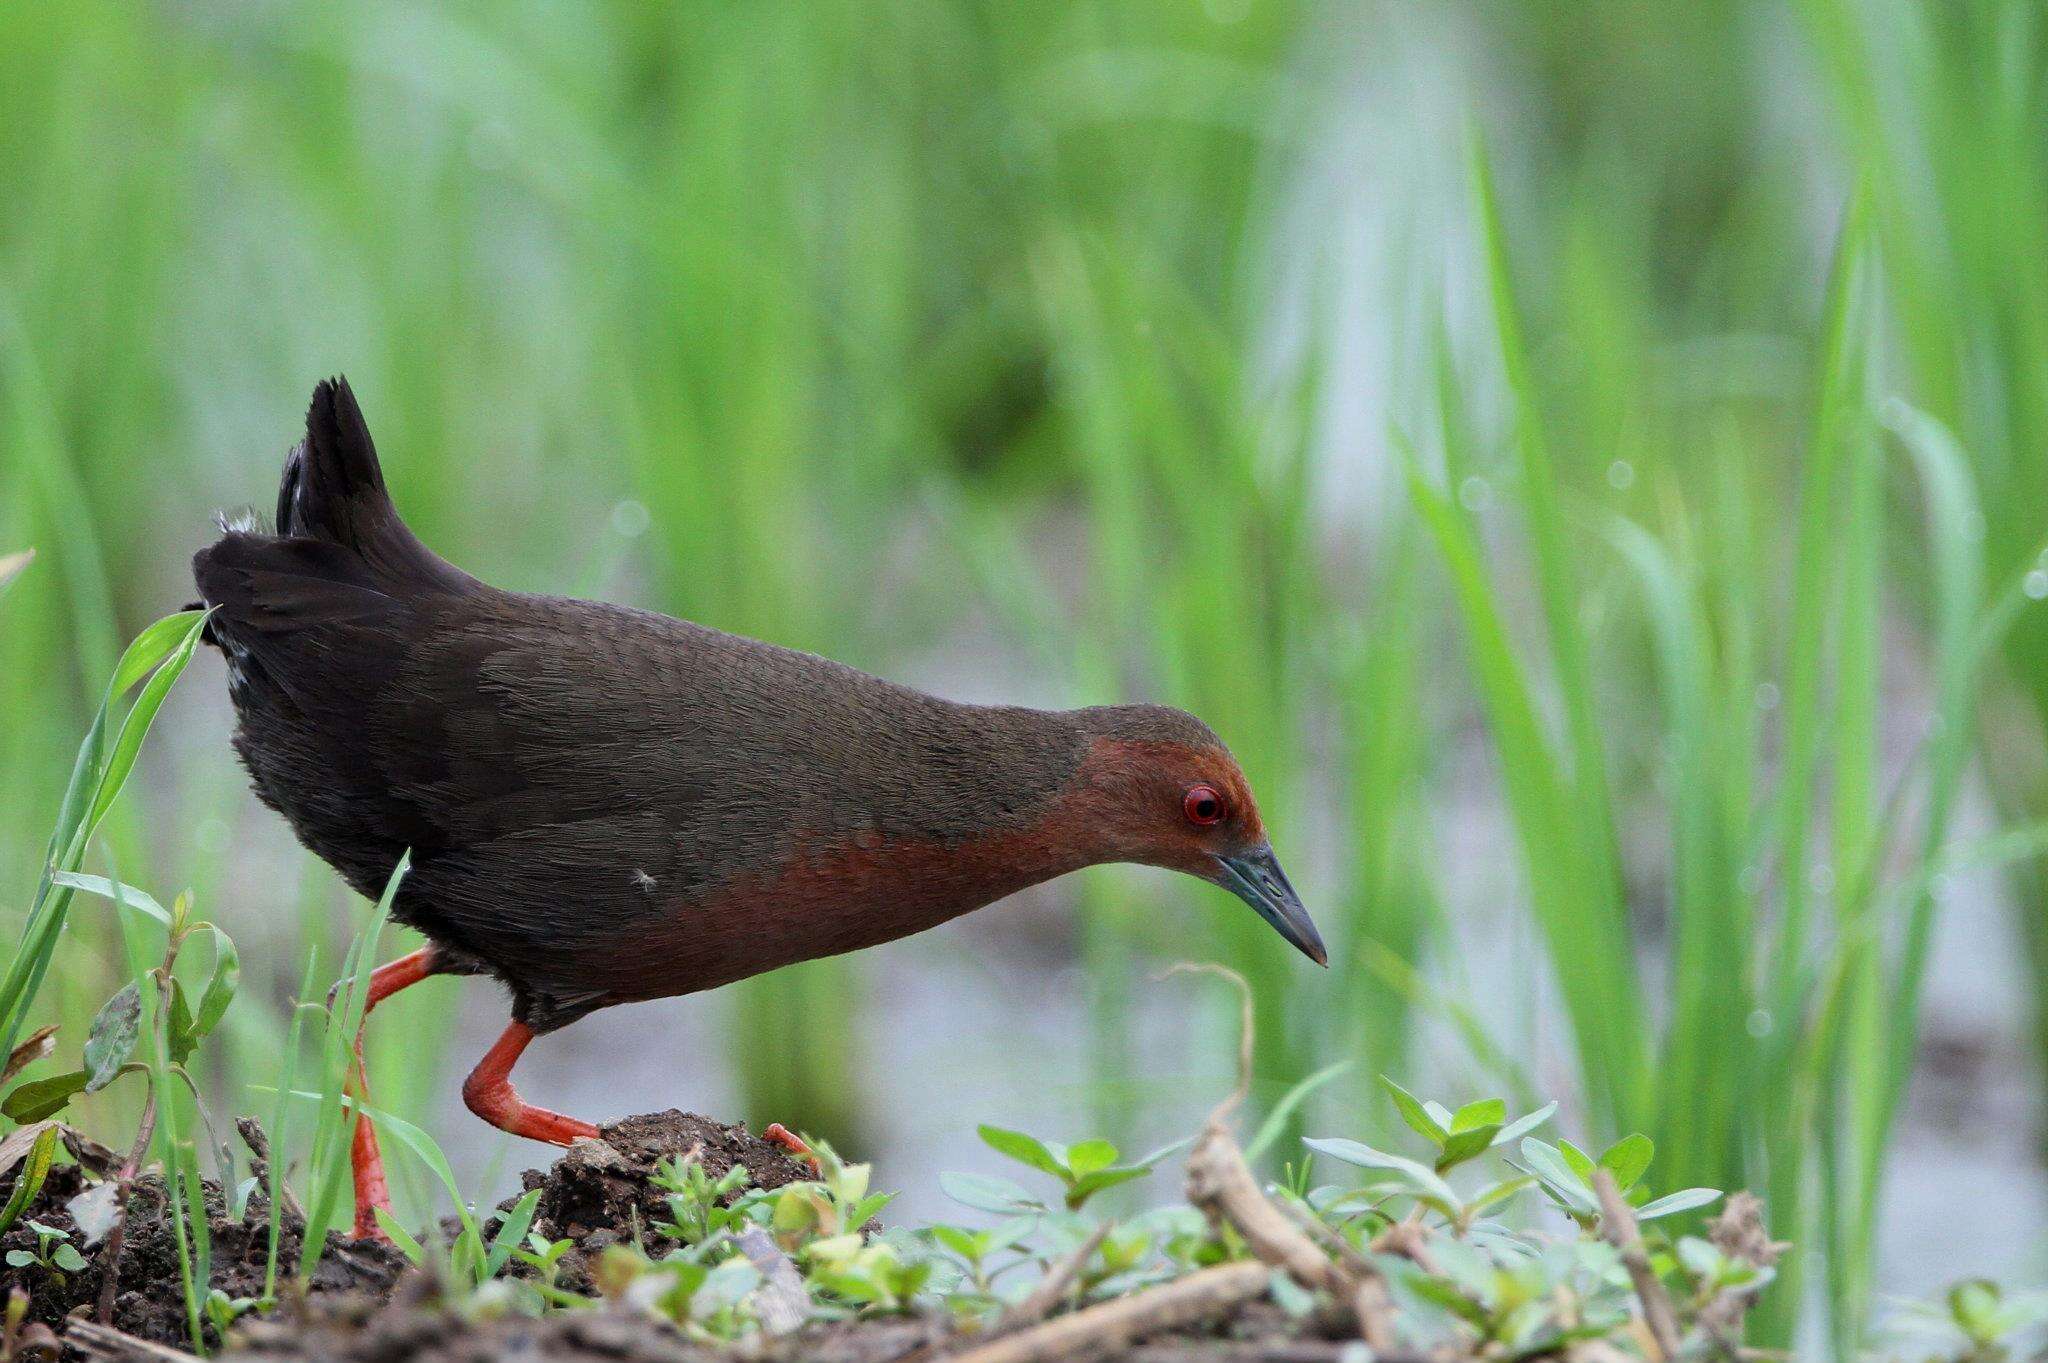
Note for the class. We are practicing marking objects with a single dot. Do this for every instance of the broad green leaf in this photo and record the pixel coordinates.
(1486, 1112)
(111, 1043)
(1414, 1112)
(1673, 1203)
(1578, 1160)
(1024, 1149)
(1420, 1175)
(1627, 1158)
(40, 1098)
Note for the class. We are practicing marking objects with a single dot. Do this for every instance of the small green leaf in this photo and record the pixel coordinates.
(1485, 1112)
(967, 1244)
(1549, 1164)
(988, 1193)
(1522, 1126)
(68, 1258)
(1415, 1113)
(1085, 1188)
(111, 1042)
(220, 987)
(1496, 1193)
(107, 889)
(34, 1170)
(1464, 1145)
(513, 1230)
(1577, 1160)
(19, 1258)
(184, 1036)
(1087, 1157)
(1420, 1175)
(40, 1098)
(1024, 1149)
(1671, 1204)
(1627, 1158)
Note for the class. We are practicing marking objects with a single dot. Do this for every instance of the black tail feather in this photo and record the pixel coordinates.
(333, 486)
(340, 550)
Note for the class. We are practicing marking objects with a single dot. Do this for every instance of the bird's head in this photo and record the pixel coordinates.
(1159, 788)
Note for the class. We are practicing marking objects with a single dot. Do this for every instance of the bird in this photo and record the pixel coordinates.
(603, 805)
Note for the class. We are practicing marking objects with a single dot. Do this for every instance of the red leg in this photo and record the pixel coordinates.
(365, 1159)
(778, 1134)
(490, 1095)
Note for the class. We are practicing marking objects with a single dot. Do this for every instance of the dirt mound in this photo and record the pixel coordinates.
(599, 1193)
(603, 1192)
(149, 1294)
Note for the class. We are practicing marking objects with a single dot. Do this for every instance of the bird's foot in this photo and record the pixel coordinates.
(372, 1191)
(778, 1134)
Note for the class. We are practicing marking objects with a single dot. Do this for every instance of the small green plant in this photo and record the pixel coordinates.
(873, 1275)
(707, 1302)
(54, 1253)
(1458, 1138)
(544, 1258)
(699, 1205)
(837, 1203)
(1977, 1322)
(1083, 1169)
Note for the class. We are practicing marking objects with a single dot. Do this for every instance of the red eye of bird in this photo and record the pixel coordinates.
(1202, 805)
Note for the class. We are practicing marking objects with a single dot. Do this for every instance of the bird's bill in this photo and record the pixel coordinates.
(1256, 878)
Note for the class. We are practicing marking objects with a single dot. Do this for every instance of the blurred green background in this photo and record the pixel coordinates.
(1587, 460)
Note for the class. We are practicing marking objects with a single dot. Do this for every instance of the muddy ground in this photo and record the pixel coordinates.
(367, 1305)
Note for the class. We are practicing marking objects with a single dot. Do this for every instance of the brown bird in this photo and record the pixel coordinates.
(605, 805)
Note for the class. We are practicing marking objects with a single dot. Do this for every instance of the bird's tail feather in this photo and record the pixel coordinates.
(333, 486)
(340, 550)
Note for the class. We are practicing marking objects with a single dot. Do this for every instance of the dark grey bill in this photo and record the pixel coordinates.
(1256, 878)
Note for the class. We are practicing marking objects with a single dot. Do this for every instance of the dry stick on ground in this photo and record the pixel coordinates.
(259, 1164)
(1222, 1186)
(100, 1341)
(1618, 1226)
(1209, 1294)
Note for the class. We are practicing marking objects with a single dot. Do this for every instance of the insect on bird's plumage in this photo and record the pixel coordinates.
(604, 804)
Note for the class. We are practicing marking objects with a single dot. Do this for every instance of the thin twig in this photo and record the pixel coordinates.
(1222, 1185)
(1045, 1298)
(1618, 1227)
(102, 1341)
(258, 1142)
(124, 1182)
(1208, 1294)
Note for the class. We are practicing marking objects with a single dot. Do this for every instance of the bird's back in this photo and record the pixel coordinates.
(568, 775)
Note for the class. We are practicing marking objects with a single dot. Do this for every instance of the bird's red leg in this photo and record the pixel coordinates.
(365, 1160)
(778, 1134)
(490, 1095)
